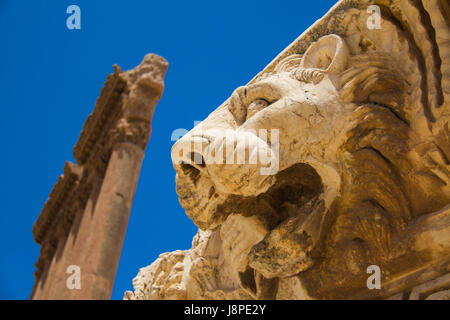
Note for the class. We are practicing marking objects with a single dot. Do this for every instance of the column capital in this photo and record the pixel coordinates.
(146, 86)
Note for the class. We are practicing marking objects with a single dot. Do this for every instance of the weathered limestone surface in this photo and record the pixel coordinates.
(84, 221)
(363, 169)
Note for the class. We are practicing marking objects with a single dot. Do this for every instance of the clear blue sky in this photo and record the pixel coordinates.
(50, 79)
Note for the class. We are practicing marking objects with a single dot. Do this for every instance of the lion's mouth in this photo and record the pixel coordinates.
(284, 209)
(293, 188)
(281, 210)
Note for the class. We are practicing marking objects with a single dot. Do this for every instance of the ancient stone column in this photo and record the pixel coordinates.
(109, 155)
(109, 223)
(111, 213)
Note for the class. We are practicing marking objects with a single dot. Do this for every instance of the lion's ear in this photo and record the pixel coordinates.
(329, 54)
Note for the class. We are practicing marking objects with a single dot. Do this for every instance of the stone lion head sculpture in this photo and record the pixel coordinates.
(322, 164)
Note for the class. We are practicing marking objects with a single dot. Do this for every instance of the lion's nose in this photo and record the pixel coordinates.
(190, 150)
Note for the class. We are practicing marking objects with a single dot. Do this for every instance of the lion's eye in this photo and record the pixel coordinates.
(255, 106)
(246, 101)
